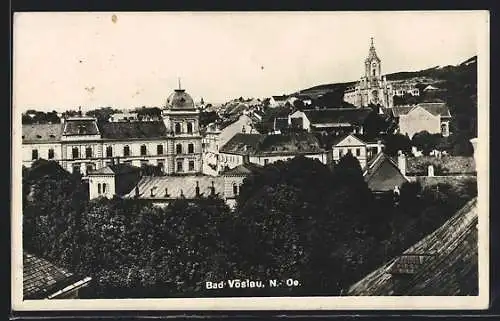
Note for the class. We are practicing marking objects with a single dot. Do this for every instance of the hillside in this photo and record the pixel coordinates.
(458, 86)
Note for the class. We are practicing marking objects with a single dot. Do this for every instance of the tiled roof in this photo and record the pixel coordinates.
(42, 278)
(353, 116)
(133, 130)
(450, 165)
(176, 186)
(239, 141)
(41, 133)
(241, 170)
(80, 126)
(436, 109)
(444, 263)
(382, 174)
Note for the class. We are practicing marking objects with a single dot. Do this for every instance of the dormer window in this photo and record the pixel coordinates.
(38, 136)
(81, 129)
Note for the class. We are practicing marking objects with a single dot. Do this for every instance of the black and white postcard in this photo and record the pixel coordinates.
(250, 160)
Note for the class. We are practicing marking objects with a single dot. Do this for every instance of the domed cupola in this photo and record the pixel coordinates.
(180, 100)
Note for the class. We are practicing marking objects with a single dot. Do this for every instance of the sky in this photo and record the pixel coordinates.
(125, 60)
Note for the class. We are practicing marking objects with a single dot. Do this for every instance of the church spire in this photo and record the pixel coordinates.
(372, 54)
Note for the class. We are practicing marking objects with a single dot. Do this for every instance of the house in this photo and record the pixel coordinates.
(115, 179)
(162, 190)
(81, 144)
(331, 120)
(444, 263)
(356, 145)
(123, 117)
(44, 280)
(405, 89)
(265, 149)
(432, 117)
(383, 174)
(278, 101)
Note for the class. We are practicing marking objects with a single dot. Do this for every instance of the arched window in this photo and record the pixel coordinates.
(103, 188)
(191, 148)
(126, 151)
(109, 151)
(75, 153)
(190, 128)
(177, 128)
(178, 149)
(235, 189)
(159, 149)
(88, 152)
(34, 154)
(143, 150)
(99, 188)
(51, 154)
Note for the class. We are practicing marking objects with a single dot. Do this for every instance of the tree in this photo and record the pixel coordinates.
(426, 142)
(396, 142)
(374, 124)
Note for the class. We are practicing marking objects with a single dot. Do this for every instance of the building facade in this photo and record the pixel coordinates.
(373, 88)
(431, 117)
(81, 144)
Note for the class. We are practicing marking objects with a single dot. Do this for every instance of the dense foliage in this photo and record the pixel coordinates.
(295, 220)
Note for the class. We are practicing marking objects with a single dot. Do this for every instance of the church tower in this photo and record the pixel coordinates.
(372, 65)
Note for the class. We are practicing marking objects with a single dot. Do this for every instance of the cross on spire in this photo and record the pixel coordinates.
(371, 38)
(179, 80)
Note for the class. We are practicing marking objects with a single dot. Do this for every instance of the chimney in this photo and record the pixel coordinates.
(379, 146)
(430, 170)
(402, 162)
(473, 141)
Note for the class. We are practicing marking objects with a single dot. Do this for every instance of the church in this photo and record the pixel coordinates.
(81, 144)
(372, 88)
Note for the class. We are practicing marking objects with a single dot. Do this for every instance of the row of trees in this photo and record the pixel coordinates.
(294, 220)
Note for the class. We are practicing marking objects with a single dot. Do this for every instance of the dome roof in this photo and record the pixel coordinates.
(180, 100)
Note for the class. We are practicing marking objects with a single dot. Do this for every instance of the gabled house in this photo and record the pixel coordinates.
(383, 175)
(357, 146)
(278, 101)
(432, 117)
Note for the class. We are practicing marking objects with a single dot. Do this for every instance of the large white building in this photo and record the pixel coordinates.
(81, 144)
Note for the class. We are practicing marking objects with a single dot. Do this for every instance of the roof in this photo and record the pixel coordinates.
(257, 144)
(241, 170)
(444, 263)
(41, 133)
(353, 116)
(445, 165)
(280, 123)
(280, 98)
(42, 278)
(116, 169)
(372, 54)
(435, 109)
(175, 186)
(80, 126)
(382, 174)
(137, 130)
(238, 142)
(180, 100)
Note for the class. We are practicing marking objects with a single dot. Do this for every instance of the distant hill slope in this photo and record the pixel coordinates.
(458, 84)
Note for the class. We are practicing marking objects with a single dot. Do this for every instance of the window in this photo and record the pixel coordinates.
(99, 188)
(143, 150)
(266, 161)
(51, 154)
(88, 152)
(126, 151)
(109, 151)
(179, 165)
(159, 149)
(358, 151)
(444, 129)
(75, 152)
(177, 128)
(103, 188)
(178, 149)
(144, 163)
(34, 154)
(340, 153)
(160, 165)
(235, 189)
(190, 128)
(191, 148)
(90, 168)
(76, 168)
(191, 166)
